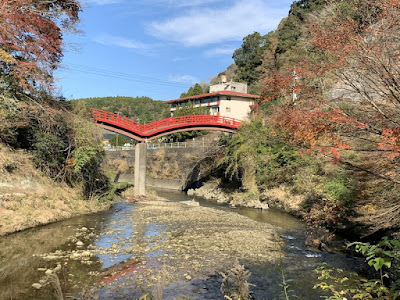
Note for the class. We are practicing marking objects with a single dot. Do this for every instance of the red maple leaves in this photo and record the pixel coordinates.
(31, 38)
(364, 57)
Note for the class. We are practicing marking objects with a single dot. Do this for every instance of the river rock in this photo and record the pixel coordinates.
(57, 268)
(48, 272)
(79, 243)
(188, 277)
(129, 249)
(75, 255)
(37, 286)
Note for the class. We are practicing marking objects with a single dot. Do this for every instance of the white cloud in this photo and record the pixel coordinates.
(203, 26)
(220, 51)
(183, 79)
(104, 2)
(109, 40)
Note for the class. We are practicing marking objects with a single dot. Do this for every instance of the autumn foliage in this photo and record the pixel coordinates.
(358, 48)
(31, 38)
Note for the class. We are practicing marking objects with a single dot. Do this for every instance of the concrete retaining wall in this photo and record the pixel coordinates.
(166, 168)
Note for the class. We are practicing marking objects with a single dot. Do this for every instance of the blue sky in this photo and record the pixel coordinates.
(158, 48)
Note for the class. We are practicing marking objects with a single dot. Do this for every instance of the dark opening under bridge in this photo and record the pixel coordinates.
(150, 131)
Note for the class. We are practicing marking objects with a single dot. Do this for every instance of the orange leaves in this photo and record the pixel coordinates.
(30, 38)
(314, 129)
(337, 38)
(391, 141)
(395, 2)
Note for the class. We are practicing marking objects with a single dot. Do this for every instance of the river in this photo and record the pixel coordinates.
(176, 248)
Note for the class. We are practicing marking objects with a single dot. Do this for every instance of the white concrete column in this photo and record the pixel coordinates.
(140, 169)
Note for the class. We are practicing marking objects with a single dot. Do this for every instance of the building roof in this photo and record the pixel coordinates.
(219, 93)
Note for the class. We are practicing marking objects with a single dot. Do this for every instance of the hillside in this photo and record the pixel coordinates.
(141, 109)
(29, 198)
(326, 125)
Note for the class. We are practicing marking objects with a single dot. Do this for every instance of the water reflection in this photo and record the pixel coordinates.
(20, 258)
(115, 233)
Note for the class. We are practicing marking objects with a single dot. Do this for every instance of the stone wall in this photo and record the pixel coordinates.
(173, 168)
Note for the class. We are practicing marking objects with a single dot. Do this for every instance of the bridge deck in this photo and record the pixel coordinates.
(123, 125)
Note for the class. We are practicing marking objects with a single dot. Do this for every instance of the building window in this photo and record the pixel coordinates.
(197, 102)
(207, 100)
(234, 88)
(214, 99)
(214, 110)
(228, 98)
(228, 109)
(173, 105)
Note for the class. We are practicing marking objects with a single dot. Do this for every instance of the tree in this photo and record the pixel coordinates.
(348, 100)
(31, 39)
(121, 140)
(140, 109)
(197, 89)
(248, 58)
(362, 47)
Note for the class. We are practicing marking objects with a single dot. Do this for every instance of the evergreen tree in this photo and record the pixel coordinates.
(248, 58)
(197, 89)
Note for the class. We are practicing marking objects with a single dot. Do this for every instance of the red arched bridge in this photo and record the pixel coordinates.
(149, 131)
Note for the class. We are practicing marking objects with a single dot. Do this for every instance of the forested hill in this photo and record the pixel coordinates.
(141, 109)
(326, 127)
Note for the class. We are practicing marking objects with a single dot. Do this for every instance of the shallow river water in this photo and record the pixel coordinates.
(176, 248)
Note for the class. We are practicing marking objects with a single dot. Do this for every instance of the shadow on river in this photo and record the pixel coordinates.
(124, 253)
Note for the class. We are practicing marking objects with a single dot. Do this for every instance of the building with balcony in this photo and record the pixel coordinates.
(223, 100)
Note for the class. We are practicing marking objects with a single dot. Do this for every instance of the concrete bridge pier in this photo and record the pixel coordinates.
(140, 169)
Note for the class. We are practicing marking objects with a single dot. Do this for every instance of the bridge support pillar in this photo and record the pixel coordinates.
(140, 169)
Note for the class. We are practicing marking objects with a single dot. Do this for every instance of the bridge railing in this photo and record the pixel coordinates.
(152, 127)
(190, 120)
(106, 116)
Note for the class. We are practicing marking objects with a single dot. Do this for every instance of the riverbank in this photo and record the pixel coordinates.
(276, 198)
(29, 199)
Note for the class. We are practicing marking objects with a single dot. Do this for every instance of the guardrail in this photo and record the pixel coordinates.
(154, 146)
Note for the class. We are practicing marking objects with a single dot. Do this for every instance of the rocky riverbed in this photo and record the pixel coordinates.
(176, 248)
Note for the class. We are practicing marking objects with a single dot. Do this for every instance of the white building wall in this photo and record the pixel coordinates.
(237, 107)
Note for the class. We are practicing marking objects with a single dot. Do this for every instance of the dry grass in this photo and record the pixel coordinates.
(55, 282)
(158, 289)
(281, 197)
(234, 284)
(163, 164)
(28, 199)
(121, 165)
